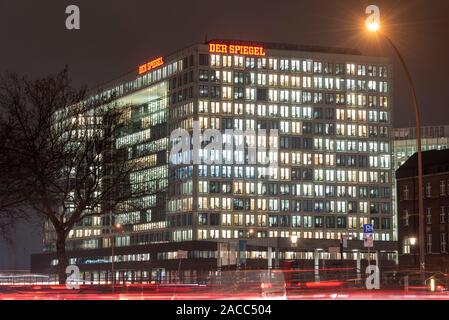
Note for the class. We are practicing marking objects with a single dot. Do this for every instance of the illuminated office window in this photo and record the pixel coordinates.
(227, 61)
(238, 62)
(215, 60)
(227, 93)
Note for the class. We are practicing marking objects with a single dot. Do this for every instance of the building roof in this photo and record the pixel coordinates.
(291, 47)
(436, 131)
(434, 161)
(131, 75)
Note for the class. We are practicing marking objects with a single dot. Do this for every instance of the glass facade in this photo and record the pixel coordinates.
(334, 171)
(433, 138)
(335, 153)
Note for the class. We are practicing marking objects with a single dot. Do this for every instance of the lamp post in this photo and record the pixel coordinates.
(117, 227)
(412, 242)
(294, 243)
(294, 240)
(374, 26)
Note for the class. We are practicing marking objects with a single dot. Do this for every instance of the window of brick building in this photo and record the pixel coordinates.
(406, 218)
(442, 214)
(428, 190)
(429, 243)
(428, 216)
(405, 193)
(442, 188)
(443, 242)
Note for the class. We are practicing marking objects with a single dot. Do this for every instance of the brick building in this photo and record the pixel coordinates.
(436, 210)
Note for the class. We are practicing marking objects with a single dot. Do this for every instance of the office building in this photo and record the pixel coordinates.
(329, 168)
(432, 138)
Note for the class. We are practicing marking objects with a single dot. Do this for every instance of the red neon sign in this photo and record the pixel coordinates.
(151, 65)
(236, 49)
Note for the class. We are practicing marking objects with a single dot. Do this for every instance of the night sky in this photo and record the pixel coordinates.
(117, 36)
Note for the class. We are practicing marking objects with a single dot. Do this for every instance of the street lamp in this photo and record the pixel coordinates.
(412, 242)
(117, 227)
(294, 240)
(294, 243)
(374, 26)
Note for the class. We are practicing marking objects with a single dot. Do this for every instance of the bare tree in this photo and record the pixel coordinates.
(10, 214)
(12, 208)
(58, 150)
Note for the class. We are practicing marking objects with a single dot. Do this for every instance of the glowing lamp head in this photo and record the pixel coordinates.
(118, 226)
(412, 241)
(373, 26)
(294, 239)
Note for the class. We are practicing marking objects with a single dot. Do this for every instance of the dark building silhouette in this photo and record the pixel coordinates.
(436, 210)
